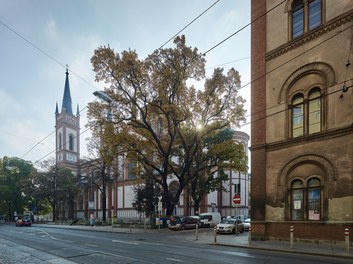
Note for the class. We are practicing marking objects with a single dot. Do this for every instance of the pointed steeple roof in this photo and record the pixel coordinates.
(56, 108)
(67, 103)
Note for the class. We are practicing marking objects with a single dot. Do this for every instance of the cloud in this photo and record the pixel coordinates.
(51, 30)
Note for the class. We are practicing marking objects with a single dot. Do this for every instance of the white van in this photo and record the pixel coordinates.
(210, 219)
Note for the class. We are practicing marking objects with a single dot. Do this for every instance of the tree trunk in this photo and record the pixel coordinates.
(54, 211)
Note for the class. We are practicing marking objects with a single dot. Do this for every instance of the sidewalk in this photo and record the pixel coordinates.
(205, 237)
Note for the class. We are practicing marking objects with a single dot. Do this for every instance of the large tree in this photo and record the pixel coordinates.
(217, 153)
(154, 109)
(103, 146)
(57, 186)
(15, 186)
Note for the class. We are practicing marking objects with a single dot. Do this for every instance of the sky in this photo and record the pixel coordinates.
(38, 38)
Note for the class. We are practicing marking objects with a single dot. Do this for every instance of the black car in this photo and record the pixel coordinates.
(183, 222)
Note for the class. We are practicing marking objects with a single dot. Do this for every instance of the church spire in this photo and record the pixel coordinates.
(67, 103)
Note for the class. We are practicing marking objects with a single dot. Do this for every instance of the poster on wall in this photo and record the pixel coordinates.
(297, 205)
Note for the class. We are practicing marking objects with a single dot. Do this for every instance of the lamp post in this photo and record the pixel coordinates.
(91, 203)
(106, 98)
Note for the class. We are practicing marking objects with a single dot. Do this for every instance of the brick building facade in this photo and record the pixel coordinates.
(302, 132)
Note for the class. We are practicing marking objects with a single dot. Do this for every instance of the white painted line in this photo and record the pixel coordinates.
(90, 245)
(126, 242)
(178, 260)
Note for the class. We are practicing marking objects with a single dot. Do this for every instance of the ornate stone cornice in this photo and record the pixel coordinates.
(313, 34)
(303, 140)
(310, 138)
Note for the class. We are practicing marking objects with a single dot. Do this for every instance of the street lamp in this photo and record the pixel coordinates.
(102, 95)
(106, 98)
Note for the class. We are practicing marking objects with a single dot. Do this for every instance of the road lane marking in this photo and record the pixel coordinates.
(126, 242)
(90, 245)
(173, 259)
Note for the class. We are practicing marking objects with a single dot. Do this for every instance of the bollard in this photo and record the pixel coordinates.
(249, 236)
(197, 232)
(291, 235)
(215, 235)
(346, 239)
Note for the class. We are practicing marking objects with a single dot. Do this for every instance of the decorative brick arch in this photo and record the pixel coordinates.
(320, 161)
(321, 68)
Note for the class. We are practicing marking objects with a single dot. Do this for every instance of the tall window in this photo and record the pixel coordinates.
(237, 188)
(306, 113)
(306, 15)
(298, 116)
(298, 19)
(305, 200)
(314, 14)
(60, 141)
(314, 110)
(131, 170)
(314, 199)
(297, 200)
(71, 142)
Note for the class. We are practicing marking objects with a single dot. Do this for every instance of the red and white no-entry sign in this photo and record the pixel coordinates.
(236, 199)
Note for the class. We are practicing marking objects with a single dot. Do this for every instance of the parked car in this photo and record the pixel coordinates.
(183, 222)
(230, 226)
(210, 219)
(25, 221)
(240, 217)
(198, 218)
(247, 224)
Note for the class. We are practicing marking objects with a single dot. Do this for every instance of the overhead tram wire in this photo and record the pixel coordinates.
(38, 143)
(189, 23)
(334, 92)
(244, 27)
(67, 142)
(56, 61)
(45, 53)
(288, 61)
(61, 64)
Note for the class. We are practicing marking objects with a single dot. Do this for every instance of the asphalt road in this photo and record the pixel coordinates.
(160, 247)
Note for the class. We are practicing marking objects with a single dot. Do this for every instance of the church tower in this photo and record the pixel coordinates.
(67, 127)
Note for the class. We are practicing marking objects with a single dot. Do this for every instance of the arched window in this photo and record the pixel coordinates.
(71, 142)
(305, 199)
(306, 113)
(305, 16)
(297, 200)
(298, 116)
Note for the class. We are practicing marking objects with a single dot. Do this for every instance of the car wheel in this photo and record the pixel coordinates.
(233, 231)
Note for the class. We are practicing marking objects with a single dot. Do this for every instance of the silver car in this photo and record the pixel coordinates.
(230, 226)
(247, 224)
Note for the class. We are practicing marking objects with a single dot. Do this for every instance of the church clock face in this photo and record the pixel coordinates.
(71, 157)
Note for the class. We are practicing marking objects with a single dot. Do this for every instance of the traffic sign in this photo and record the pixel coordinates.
(159, 206)
(236, 199)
